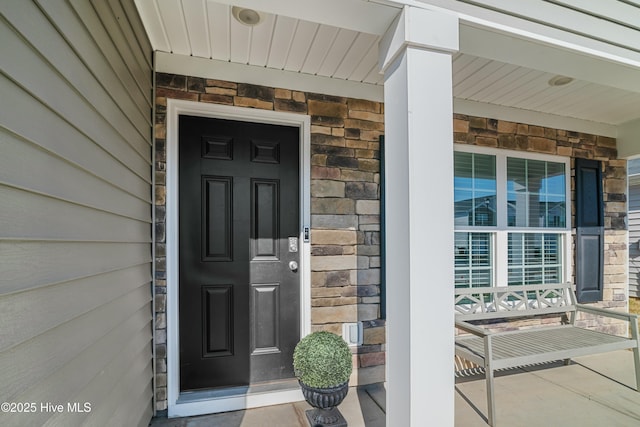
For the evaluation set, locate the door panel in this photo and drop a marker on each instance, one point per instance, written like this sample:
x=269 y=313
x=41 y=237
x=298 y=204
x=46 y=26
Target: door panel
x=266 y=310
x=239 y=204
x=265 y=220
x=218 y=322
x=216 y=216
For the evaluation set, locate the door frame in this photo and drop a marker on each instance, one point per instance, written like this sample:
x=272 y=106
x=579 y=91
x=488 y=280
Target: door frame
x=180 y=405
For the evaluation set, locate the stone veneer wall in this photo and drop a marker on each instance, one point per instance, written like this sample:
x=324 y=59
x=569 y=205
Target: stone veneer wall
x=345 y=209
x=517 y=136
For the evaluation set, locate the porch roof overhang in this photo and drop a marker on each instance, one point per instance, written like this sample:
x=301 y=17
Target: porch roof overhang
x=508 y=54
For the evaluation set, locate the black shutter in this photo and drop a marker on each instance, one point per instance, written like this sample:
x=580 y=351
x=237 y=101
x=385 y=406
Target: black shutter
x=589 y=231
x=383 y=264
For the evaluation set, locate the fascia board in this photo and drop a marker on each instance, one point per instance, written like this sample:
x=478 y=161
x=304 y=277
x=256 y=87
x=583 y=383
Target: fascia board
x=487 y=17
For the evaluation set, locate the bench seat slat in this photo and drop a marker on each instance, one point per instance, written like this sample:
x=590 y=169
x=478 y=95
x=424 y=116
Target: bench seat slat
x=542 y=345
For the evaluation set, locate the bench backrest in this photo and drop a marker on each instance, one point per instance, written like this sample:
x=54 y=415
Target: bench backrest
x=514 y=301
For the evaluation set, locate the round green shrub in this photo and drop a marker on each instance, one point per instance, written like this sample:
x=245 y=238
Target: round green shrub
x=322 y=359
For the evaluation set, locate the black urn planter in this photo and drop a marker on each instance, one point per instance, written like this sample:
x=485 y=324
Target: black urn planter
x=325 y=400
x=321 y=360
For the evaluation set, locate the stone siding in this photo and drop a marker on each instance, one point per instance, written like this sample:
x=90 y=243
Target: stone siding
x=345 y=209
x=537 y=139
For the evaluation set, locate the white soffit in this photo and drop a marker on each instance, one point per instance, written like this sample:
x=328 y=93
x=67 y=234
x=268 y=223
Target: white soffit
x=507 y=48
x=498 y=83
x=314 y=49
x=207 y=29
x=335 y=13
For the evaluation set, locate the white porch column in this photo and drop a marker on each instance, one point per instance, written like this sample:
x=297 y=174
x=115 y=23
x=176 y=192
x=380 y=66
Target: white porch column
x=416 y=59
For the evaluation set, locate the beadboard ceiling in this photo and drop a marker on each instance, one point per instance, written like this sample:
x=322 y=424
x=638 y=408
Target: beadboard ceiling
x=494 y=82
x=207 y=29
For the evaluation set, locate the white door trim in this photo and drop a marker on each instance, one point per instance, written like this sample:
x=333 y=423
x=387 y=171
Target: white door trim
x=248 y=400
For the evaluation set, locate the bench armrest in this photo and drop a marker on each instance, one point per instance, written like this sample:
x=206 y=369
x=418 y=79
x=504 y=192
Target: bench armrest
x=629 y=317
x=472 y=329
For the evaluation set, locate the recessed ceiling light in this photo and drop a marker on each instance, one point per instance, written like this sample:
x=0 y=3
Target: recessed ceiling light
x=246 y=16
x=560 y=81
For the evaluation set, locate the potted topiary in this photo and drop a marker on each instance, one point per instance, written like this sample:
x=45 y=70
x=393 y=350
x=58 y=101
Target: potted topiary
x=322 y=364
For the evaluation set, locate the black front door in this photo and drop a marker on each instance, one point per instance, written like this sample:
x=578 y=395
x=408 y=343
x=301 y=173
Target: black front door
x=238 y=228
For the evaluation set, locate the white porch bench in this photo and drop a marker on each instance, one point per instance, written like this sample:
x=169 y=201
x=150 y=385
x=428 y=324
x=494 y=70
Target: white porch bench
x=512 y=348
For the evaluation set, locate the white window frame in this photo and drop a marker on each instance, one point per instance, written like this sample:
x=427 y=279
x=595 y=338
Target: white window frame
x=501 y=230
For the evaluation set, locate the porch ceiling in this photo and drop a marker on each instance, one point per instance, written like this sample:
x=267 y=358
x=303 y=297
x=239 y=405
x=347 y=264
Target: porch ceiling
x=316 y=39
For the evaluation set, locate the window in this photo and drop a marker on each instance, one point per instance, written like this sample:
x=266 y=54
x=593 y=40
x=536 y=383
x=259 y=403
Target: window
x=475 y=189
x=511 y=217
x=535 y=193
x=474 y=260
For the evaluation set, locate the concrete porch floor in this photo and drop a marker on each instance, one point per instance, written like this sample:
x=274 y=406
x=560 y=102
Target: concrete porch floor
x=363 y=407
x=593 y=391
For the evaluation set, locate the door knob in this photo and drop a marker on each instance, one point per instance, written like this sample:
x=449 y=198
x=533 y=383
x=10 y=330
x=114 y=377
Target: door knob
x=293 y=266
